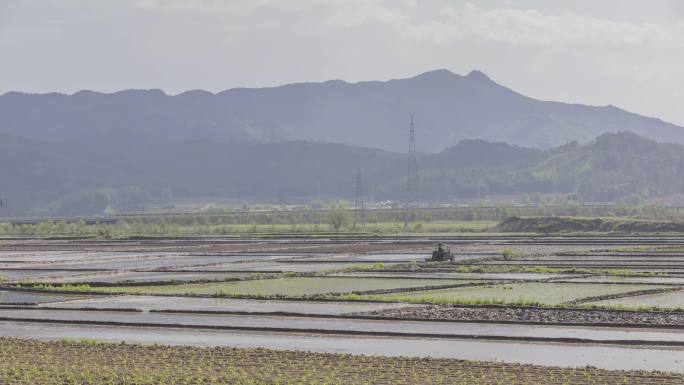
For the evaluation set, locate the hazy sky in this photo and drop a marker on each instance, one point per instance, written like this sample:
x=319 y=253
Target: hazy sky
x=629 y=53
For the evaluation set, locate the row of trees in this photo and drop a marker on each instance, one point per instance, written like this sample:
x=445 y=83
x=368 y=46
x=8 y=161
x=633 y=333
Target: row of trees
x=337 y=219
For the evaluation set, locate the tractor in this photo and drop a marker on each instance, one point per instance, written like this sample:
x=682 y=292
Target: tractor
x=441 y=253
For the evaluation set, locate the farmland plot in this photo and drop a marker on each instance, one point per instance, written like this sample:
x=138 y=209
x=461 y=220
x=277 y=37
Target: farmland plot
x=533 y=293
x=15 y=297
x=662 y=300
x=286 y=286
x=98 y=364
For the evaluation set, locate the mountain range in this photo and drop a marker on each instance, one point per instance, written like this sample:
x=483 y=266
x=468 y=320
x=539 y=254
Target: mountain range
x=91 y=153
x=447 y=107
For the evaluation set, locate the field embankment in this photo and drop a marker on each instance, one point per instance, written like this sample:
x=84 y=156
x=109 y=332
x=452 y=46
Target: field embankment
x=585 y=225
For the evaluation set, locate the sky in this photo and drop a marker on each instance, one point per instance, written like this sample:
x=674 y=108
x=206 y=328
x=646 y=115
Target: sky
x=628 y=53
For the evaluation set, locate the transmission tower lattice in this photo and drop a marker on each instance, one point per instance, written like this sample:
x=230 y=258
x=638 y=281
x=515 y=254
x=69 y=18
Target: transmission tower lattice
x=412 y=176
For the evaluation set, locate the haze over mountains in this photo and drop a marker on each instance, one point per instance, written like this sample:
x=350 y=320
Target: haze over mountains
x=448 y=108
x=91 y=153
x=67 y=179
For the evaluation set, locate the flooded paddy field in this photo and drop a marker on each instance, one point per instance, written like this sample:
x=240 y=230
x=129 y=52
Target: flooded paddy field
x=642 y=264
x=613 y=258
x=278 y=266
x=661 y=300
x=559 y=355
x=300 y=286
x=532 y=293
x=360 y=295
x=45 y=258
x=149 y=262
x=21 y=275
x=349 y=326
x=447 y=275
x=140 y=277
x=16 y=297
x=370 y=257
x=235 y=305
x=656 y=280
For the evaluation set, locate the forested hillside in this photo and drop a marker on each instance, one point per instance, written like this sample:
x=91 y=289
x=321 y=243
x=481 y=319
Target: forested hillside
x=47 y=178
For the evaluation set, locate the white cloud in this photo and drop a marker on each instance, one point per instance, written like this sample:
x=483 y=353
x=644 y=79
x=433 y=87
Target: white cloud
x=510 y=26
x=607 y=52
x=447 y=23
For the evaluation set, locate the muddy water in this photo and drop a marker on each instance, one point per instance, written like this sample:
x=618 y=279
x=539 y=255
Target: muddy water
x=277 y=266
x=645 y=280
x=607 y=357
x=663 y=300
x=61 y=256
x=161 y=261
x=382 y=257
x=386 y=258
x=226 y=304
x=22 y=275
x=487 y=276
x=305 y=324
x=119 y=277
x=14 y=297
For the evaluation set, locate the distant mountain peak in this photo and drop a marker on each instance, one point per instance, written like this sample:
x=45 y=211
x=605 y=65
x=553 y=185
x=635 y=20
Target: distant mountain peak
x=448 y=105
x=436 y=74
x=474 y=76
x=479 y=76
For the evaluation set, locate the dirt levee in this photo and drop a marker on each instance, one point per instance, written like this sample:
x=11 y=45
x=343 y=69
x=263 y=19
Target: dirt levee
x=567 y=224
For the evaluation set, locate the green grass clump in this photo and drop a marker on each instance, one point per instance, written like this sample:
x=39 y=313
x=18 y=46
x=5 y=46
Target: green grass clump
x=82 y=288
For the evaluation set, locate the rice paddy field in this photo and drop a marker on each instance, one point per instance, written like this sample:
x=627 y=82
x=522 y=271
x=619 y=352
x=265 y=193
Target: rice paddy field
x=278 y=310
x=25 y=362
x=523 y=293
x=660 y=300
x=300 y=286
x=14 y=297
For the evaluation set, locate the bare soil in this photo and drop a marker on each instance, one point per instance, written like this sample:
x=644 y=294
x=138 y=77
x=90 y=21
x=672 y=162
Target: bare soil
x=533 y=315
x=24 y=362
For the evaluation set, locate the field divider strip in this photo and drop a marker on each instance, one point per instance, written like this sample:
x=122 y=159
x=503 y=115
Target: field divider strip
x=347 y=317
x=426 y=288
x=53 y=308
x=210 y=271
x=408 y=319
x=55 y=269
x=568 y=340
